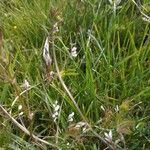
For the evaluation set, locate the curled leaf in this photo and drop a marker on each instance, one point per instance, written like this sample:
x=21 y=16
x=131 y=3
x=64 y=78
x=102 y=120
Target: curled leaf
x=46 y=54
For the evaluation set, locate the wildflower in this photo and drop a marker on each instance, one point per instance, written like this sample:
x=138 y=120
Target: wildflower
x=146 y=19
x=74 y=52
x=55 y=28
x=68 y=144
x=26 y=85
x=19 y=107
x=56 y=111
x=117 y=108
x=21 y=113
x=70 y=117
x=55 y=104
x=81 y=125
x=56 y=108
x=52 y=73
x=46 y=55
x=108 y=136
x=115 y=4
x=102 y=107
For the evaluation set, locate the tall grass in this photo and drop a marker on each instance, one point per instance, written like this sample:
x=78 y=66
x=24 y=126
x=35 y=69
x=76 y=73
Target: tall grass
x=106 y=85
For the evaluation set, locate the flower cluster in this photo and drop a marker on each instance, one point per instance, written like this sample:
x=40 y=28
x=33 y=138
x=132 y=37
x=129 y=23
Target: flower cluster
x=115 y=4
x=19 y=109
x=108 y=136
x=56 y=111
x=70 y=117
x=25 y=85
x=117 y=108
x=74 y=52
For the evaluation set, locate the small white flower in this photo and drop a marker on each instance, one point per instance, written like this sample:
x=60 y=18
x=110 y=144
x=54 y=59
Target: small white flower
x=102 y=107
x=55 y=115
x=55 y=28
x=19 y=107
x=68 y=144
x=56 y=111
x=74 y=52
x=117 y=108
x=80 y=124
x=84 y=129
x=55 y=119
x=52 y=73
x=70 y=117
x=55 y=104
x=25 y=85
x=115 y=4
x=46 y=55
x=56 y=108
x=70 y=120
x=146 y=19
x=21 y=113
x=108 y=136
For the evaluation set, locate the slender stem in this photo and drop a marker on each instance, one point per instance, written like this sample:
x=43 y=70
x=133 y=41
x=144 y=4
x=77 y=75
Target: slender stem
x=25 y=130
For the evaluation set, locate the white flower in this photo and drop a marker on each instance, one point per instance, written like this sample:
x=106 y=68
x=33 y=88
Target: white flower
x=80 y=124
x=55 y=28
x=74 y=52
x=70 y=117
x=25 y=85
x=46 y=55
x=19 y=107
x=102 y=107
x=117 y=108
x=115 y=4
x=146 y=19
x=55 y=115
x=55 y=104
x=108 y=136
x=21 y=113
x=68 y=144
x=52 y=73
x=56 y=108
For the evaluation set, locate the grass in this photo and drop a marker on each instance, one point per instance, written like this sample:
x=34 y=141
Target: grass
x=106 y=85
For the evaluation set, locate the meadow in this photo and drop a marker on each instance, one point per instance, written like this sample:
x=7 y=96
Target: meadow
x=74 y=74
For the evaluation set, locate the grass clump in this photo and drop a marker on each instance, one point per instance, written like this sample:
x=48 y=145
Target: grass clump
x=95 y=92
